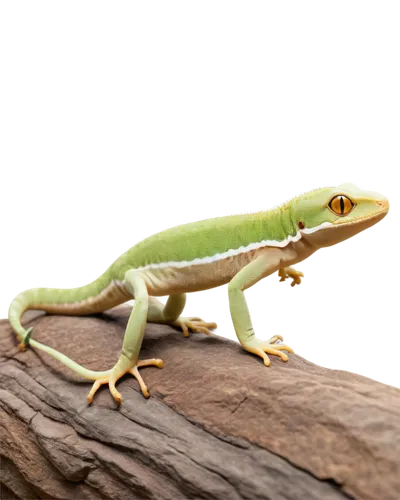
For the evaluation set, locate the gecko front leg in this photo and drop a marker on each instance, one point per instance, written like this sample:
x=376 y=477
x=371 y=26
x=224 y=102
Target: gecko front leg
x=128 y=361
x=263 y=265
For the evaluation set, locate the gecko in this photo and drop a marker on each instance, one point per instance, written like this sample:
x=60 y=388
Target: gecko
x=238 y=250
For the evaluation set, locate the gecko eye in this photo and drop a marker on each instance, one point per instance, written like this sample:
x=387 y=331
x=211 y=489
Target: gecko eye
x=341 y=205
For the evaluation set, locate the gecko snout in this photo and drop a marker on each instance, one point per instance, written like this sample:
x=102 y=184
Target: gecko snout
x=383 y=204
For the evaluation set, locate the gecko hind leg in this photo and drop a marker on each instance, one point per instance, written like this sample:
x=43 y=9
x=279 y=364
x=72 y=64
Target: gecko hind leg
x=128 y=361
x=170 y=315
x=195 y=325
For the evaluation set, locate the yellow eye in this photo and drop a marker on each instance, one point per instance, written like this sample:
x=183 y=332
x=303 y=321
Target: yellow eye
x=341 y=205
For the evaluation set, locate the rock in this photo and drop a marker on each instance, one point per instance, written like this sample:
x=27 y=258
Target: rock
x=219 y=424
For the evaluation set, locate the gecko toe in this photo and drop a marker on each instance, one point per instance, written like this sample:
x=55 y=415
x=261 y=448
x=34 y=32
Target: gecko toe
x=262 y=348
x=117 y=373
x=196 y=325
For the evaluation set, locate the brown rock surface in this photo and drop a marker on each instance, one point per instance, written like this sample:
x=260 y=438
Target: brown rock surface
x=219 y=425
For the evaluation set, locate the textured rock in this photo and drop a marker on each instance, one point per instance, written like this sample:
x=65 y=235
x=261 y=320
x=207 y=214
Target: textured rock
x=219 y=425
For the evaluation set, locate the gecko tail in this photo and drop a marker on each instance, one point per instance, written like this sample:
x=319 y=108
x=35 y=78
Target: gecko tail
x=70 y=301
x=28 y=300
x=65 y=360
x=18 y=306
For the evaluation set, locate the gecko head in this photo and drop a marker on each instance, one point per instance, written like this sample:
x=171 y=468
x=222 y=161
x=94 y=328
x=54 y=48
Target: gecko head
x=329 y=215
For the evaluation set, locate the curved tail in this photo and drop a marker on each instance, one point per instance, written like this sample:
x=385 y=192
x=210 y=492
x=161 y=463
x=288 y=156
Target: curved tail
x=95 y=297
x=65 y=360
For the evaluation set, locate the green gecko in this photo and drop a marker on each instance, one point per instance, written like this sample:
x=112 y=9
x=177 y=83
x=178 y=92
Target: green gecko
x=238 y=249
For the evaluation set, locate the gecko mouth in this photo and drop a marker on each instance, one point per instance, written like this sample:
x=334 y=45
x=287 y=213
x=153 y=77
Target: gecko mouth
x=380 y=214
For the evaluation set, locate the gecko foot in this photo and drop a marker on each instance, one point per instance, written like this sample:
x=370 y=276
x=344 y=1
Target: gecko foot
x=261 y=347
x=117 y=373
x=294 y=275
x=194 y=325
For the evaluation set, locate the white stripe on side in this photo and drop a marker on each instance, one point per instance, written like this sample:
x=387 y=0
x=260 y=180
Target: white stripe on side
x=237 y=251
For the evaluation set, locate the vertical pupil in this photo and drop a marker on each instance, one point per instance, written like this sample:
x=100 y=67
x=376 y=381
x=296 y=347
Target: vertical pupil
x=341 y=205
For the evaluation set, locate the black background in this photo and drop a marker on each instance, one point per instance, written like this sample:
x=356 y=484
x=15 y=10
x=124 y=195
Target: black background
x=61 y=225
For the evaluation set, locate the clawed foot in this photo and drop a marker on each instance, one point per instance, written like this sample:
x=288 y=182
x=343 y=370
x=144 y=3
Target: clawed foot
x=194 y=325
x=290 y=272
x=117 y=373
x=260 y=347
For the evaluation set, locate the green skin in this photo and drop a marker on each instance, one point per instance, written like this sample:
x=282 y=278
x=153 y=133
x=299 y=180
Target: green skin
x=239 y=250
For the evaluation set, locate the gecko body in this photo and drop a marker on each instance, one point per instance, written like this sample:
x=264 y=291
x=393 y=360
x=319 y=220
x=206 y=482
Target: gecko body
x=239 y=250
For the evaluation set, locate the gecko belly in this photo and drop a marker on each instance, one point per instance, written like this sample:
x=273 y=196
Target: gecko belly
x=196 y=277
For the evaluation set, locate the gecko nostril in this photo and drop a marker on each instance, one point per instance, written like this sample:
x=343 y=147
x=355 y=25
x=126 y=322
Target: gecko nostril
x=383 y=204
